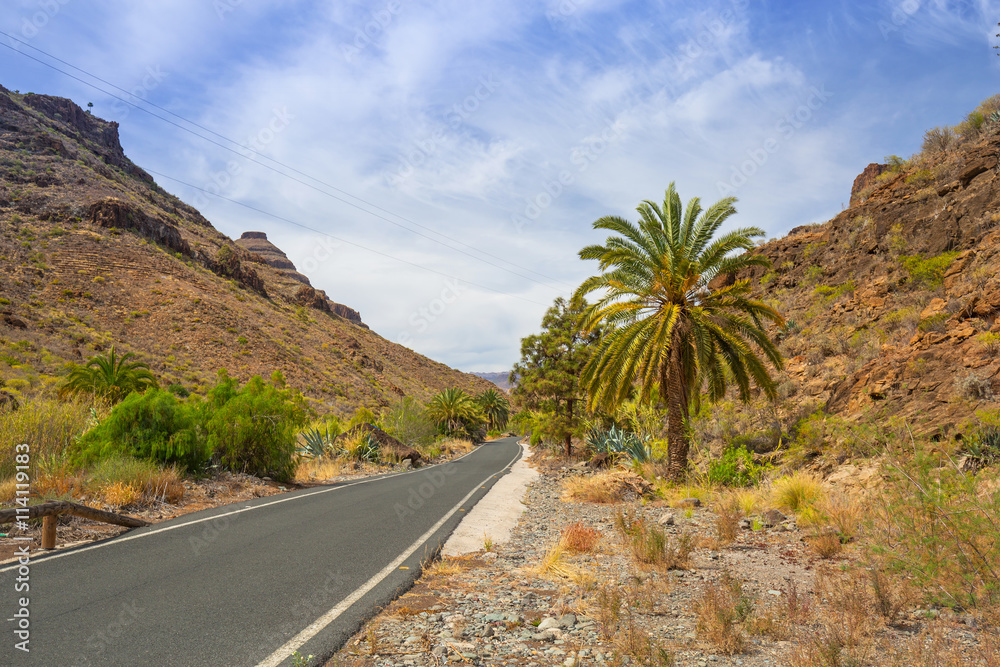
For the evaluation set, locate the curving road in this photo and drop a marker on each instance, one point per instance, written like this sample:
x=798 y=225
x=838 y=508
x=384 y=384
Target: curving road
x=248 y=583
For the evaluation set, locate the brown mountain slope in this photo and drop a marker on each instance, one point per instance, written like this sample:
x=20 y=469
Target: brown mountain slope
x=94 y=253
x=893 y=303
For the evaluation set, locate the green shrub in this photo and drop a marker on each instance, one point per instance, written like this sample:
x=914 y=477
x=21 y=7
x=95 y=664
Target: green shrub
x=736 y=467
x=989 y=341
x=253 y=430
x=928 y=271
x=938 y=526
x=933 y=323
x=363 y=415
x=406 y=421
x=153 y=425
x=831 y=293
x=179 y=390
x=895 y=163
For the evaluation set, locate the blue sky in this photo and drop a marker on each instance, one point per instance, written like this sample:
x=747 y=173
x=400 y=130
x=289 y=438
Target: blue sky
x=457 y=129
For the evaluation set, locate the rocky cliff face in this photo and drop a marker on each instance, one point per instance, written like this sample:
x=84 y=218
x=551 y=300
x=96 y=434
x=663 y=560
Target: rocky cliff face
x=866 y=179
x=95 y=254
x=893 y=304
x=305 y=295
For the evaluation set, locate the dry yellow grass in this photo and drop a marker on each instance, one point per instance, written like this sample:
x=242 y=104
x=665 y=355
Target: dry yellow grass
x=121 y=494
x=555 y=563
x=675 y=495
x=605 y=487
x=825 y=545
x=796 y=491
x=456 y=446
x=729 y=512
x=443 y=567
x=323 y=468
x=8 y=490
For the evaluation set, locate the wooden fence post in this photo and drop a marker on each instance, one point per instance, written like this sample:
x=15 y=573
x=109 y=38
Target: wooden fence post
x=49 y=531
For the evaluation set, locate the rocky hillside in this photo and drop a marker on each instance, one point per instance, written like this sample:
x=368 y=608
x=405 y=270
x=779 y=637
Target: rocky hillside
x=95 y=253
x=892 y=305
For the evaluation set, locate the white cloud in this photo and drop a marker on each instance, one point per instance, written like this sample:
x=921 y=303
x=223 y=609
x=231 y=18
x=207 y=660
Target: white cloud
x=589 y=106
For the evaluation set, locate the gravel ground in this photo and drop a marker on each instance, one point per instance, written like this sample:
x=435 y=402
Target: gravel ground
x=495 y=608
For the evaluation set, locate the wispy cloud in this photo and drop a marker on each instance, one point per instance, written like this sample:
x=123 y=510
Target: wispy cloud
x=510 y=126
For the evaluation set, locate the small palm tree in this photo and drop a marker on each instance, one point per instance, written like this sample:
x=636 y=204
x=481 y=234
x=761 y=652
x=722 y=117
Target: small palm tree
x=454 y=411
x=666 y=327
x=495 y=408
x=109 y=376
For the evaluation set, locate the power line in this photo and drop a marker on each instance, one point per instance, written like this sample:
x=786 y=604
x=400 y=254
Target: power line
x=245 y=149
x=342 y=240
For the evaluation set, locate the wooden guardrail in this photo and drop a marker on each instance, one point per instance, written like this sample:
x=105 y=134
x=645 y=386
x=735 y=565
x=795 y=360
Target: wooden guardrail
x=51 y=510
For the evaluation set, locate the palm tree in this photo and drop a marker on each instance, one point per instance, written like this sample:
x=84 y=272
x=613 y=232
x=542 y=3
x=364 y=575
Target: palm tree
x=667 y=324
x=454 y=411
x=112 y=377
x=495 y=408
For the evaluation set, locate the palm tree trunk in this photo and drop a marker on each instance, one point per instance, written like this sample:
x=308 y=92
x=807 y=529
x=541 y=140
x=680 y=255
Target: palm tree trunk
x=677 y=437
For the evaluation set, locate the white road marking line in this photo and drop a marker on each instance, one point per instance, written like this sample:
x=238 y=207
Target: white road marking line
x=120 y=540
x=329 y=617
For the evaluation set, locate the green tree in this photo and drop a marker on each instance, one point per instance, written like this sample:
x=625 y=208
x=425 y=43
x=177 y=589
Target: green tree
x=253 y=429
x=110 y=376
x=668 y=322
x=154 y=425
x=455 y=412
x=546 y=379
x=495 y=408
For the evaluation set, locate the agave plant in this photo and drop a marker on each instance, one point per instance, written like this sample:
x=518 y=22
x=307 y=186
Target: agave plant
x=318 y=441
x=619 y=443
x=364 y=448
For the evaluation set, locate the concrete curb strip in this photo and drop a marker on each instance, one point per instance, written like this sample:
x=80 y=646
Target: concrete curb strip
x=497 y=513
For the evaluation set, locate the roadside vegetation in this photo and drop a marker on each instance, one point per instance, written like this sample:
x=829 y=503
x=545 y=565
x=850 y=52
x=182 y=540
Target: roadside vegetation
x=672 y=385
x=110 y=433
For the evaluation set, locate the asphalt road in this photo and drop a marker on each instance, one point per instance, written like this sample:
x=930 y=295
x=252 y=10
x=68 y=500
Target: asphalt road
x=248 y=583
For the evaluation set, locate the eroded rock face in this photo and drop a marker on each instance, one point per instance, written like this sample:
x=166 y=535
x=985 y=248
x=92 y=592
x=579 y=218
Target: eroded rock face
x=257 y=242
x=306 y=295
x=101 y=134
x=866 y=178
x=115 y=213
